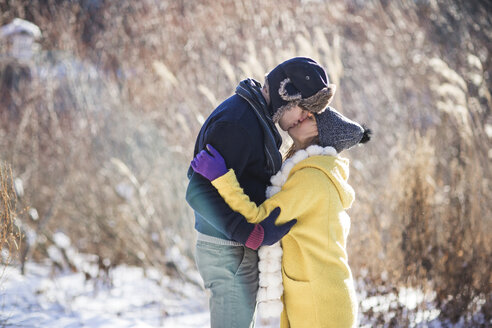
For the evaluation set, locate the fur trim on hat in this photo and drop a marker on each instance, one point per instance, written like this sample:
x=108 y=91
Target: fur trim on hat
x=282 y=91
x=318 y=102
x=278 y=114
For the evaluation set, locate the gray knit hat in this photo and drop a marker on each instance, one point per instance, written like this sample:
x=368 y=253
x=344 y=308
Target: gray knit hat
x=337 y=131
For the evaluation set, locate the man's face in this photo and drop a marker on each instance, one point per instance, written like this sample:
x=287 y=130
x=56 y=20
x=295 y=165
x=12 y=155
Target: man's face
x=303 y=132
x=292 y=117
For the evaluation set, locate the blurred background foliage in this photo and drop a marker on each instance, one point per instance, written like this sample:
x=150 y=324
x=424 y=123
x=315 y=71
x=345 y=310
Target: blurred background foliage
x=98 y=122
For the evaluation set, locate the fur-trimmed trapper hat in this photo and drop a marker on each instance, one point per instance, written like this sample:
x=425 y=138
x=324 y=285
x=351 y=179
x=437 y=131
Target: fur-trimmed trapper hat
x=299 y=81
x=338 y=131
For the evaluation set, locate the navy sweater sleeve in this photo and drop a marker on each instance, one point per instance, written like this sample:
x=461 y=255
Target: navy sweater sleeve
x=232 y=141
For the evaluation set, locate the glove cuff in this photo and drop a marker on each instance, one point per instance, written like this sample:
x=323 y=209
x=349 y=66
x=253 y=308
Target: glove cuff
x=220 y=172
x=256 y=237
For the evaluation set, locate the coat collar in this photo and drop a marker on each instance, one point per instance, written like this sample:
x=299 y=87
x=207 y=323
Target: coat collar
x=279 y=179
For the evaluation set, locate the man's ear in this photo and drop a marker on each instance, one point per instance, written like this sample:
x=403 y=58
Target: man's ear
x=265 y=90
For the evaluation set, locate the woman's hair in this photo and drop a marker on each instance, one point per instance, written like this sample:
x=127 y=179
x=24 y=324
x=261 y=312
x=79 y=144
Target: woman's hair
x=292 y=150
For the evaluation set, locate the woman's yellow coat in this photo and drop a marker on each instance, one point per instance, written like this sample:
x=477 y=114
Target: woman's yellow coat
x=318 y=284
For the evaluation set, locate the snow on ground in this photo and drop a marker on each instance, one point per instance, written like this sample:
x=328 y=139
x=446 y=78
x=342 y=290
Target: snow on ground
x=137 y=298
x=142 y=298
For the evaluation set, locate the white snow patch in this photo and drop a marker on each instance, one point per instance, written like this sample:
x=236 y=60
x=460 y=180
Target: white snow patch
x=136 y=299
x=140 y=297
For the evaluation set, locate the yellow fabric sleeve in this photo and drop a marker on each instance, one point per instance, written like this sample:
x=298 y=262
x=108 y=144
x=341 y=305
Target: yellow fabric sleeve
x=297 y=196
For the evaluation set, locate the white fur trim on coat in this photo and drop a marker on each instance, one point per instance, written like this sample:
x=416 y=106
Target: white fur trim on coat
x=270 y=257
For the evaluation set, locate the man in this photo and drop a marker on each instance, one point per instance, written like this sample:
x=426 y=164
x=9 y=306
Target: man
x=243 y=130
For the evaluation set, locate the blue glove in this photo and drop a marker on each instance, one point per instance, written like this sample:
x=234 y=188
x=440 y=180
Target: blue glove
x=267 y=233
x=272 y=232
x=210 y=166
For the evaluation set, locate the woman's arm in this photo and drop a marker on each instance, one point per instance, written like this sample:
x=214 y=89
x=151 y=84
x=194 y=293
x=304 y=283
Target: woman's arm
x=296 y=196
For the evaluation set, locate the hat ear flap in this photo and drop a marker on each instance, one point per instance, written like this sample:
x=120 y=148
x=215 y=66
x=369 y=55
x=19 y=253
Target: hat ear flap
x=288 y=91
x=318 y=102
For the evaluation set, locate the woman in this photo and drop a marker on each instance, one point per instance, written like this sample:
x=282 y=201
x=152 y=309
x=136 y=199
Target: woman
x=311 y=187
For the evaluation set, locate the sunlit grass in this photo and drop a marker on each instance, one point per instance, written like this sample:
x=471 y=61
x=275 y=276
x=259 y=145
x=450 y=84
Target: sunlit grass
x=103 y=130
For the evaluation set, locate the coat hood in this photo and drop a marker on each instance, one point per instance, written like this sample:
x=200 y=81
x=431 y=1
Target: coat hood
x=334 y=166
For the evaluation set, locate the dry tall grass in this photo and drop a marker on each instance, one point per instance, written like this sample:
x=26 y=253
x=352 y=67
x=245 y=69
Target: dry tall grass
x=10 y=236
x=101 y=124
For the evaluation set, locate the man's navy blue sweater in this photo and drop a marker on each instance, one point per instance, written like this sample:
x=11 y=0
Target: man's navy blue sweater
x=234 y=130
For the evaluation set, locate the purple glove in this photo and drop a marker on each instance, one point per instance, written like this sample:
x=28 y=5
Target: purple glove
x=210 y=166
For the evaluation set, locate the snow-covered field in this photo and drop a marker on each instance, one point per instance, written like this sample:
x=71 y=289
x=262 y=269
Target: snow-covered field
x=135 y=298
x=139 y=298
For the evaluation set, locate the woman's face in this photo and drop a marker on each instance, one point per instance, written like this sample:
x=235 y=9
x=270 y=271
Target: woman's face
x=304 y=132
x=292 y=117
